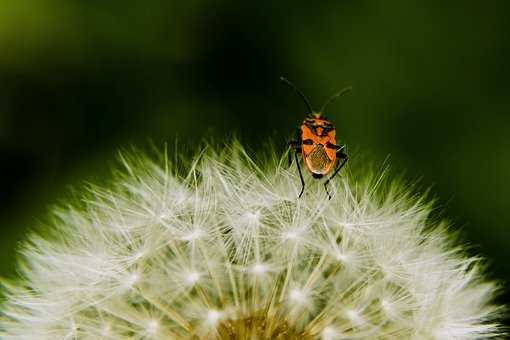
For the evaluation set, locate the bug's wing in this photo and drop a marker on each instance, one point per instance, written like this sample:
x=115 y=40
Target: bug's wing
x=318 y=161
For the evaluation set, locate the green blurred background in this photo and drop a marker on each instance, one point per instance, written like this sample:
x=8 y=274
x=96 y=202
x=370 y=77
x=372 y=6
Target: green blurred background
x=81 y=79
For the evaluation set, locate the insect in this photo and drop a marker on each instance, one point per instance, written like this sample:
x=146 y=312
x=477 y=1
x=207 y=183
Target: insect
x=316 y=142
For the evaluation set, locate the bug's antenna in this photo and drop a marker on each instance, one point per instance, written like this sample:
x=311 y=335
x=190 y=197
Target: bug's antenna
x=336 y=95
x=298 y=92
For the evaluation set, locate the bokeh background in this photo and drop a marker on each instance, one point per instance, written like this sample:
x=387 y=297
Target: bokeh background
x=431 y=79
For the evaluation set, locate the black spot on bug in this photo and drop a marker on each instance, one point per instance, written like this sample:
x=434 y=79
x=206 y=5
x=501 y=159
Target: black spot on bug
x=330 y=145
x=311 y=125
x=325 y=131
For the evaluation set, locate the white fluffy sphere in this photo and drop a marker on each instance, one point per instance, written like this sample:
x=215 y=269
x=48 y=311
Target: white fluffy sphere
x=228 y=251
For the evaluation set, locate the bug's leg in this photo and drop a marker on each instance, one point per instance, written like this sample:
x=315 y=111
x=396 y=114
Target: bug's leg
x=340 y=155
x=294 y=145
x=300 y=174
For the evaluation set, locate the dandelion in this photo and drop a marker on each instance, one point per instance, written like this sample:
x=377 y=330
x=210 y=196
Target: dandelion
x=228 y=251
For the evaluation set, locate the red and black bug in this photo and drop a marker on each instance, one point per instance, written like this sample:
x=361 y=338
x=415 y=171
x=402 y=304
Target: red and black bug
x=316 y=142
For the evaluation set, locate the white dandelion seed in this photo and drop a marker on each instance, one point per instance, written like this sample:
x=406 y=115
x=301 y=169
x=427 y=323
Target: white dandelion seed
x=297 y=296
x=259 y=269
x=192 y=278
x=228 y=251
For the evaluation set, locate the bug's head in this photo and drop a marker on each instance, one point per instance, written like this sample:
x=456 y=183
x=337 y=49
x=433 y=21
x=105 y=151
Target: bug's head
x=311 y=112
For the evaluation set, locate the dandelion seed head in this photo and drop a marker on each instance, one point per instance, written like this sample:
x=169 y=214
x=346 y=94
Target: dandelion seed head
x=342 y=257
x=329 y=333
x=386 y=305
x=252 y=217
x=291 y=235
x=131 y=280
x=227 y=251
x=105 y=330
x=193 y=235
x=180 y=197
x=192 y=278
x=297 y=295
x=213 y=316
x=354 y=316
x=152 y=327
x=259 y=268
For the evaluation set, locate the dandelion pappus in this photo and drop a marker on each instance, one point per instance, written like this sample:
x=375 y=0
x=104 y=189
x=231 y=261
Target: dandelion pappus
x=316 y=142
